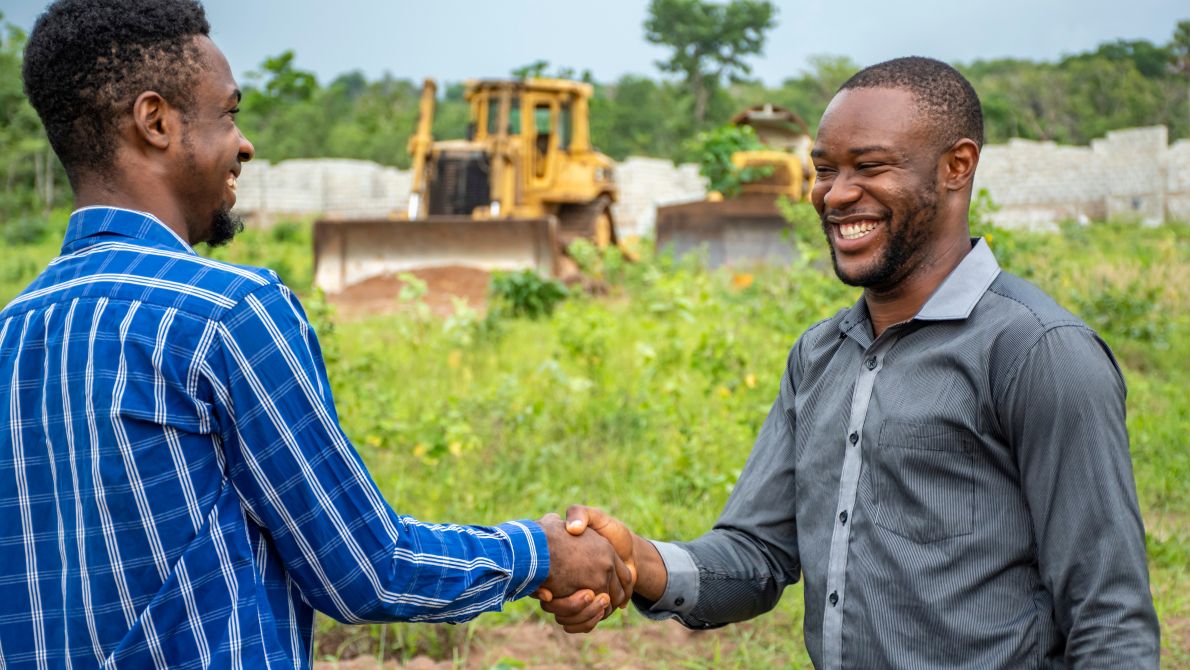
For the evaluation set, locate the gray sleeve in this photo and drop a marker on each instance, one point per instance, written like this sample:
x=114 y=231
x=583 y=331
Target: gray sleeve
x=739 y=569
x=1064 y=416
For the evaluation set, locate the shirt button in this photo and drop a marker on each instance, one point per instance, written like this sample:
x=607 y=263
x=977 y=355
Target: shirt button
x=834 y=598
x=853 y=438
x=679 y=602
x=843 y=516
x=871 y=363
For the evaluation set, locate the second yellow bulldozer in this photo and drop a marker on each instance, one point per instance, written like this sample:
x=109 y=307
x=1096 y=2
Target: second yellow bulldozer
x=748 y=228
x=521 y=186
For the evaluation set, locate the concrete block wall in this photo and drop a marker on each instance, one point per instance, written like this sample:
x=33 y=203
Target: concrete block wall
x=1177 y=176
x=646 y=183
x=333 y=187
x=1130 y=173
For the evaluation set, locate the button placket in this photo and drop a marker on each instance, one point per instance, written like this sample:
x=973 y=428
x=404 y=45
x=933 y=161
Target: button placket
x=869 y=368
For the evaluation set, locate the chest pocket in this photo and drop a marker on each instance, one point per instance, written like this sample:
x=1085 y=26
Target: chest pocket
x=924 y=481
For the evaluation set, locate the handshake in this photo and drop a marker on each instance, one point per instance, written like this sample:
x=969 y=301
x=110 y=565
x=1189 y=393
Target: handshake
x=596 y=563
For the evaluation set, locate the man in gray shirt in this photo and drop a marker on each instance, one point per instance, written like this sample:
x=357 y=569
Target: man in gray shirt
x=946 y=462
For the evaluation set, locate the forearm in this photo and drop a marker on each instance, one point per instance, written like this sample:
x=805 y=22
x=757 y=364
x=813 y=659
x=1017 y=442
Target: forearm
x=720 y=578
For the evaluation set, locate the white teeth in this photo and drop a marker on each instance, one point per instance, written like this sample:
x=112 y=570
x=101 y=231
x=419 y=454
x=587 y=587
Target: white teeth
x=854 y=231
x=231 y=182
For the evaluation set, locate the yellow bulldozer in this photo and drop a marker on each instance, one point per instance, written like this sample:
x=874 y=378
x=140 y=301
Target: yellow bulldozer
x=512 y=195
x=747 y=228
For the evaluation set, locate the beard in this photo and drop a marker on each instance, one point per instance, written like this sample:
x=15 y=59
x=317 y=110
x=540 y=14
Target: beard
x=908 y=234
x=224 y=227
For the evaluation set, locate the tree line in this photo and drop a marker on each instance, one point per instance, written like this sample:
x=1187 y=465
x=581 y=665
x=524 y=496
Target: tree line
x=288 y=113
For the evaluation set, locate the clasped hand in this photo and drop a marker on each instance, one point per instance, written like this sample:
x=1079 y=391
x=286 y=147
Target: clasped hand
x=592 y=570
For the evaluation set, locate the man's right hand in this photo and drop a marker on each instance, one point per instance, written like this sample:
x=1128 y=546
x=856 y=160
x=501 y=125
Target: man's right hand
x=582 y=565
x=581 y=611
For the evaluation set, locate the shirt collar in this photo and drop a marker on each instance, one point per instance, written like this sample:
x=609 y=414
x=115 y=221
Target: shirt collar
x=965 y=285
x=955 y=298
x=91 y=225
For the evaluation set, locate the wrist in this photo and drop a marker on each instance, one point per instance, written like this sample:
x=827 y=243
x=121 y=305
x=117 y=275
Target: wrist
x=651 y=576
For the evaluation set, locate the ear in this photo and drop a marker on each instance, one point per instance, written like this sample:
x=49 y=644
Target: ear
x=155 y=121
x=958 y=169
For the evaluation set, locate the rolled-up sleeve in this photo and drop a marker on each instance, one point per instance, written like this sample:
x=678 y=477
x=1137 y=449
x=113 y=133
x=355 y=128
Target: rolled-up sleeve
x=739 y=569
x=301 y=480
x=1064 y=414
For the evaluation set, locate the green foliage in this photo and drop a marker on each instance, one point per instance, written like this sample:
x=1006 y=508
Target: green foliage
x=715 y=148
x=526 y=294
x=710 y=41
x=646 y=401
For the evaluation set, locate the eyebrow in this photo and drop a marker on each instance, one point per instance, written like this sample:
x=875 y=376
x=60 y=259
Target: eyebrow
x=858 y=151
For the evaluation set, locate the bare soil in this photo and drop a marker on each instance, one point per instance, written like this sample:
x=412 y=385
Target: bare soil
x=541 y=646
x=378 y=295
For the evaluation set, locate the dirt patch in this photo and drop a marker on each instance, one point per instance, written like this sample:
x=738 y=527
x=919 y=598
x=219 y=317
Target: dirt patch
x=378 y=295
x=541 y=646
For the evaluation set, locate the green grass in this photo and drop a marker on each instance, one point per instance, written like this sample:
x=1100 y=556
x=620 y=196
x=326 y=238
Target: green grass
x=646 y=401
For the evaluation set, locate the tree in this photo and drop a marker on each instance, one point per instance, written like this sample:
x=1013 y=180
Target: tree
x=1179 y=56
x=710 y=41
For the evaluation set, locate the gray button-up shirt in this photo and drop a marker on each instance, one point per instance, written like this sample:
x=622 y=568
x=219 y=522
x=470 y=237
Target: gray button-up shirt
x=957 y=493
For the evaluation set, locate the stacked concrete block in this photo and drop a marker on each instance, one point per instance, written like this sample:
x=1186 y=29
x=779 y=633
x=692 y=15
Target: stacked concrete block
x=1130 y=174
x=1177 y=192
x=646 y=183
x=325 y=187
x=1127 y=174
x=1136 y=189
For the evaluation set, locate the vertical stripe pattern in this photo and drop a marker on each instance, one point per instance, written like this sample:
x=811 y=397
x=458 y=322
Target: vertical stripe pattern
x=175 y=491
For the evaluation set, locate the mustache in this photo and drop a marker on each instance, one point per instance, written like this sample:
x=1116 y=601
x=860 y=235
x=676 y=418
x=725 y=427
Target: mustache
x=836 y=215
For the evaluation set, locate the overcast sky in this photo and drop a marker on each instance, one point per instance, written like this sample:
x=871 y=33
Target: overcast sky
x=452 y=40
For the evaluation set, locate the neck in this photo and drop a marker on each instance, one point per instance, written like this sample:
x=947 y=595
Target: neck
x=111 y=192
x=904 y=299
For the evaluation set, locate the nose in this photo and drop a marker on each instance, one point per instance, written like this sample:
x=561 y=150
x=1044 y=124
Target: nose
x=247 y=151
x=840 y=193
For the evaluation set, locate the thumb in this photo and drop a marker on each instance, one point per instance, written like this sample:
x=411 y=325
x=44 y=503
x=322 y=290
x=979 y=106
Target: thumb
x=578 y=517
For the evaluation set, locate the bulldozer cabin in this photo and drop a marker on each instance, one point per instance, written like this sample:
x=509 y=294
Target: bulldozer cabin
x=521 y=186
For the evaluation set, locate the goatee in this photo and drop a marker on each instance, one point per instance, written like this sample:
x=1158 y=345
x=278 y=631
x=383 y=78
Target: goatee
x=224 y=227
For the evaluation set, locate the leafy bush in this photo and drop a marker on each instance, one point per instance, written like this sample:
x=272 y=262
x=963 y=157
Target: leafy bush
x=525 y=294
x=715 y=148
x=26 y=230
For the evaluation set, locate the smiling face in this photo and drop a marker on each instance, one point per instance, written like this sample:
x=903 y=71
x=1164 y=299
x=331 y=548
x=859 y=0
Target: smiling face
x=212 y=151
x=877 y=186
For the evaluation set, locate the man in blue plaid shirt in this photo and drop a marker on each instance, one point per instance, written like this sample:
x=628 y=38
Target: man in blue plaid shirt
x=175 y=486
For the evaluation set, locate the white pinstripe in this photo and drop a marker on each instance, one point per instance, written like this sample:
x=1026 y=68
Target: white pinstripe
x=135 y=280
x=84 y=577
x=18 y=452
x=125 y=446
x=161 y=417
x=49 y=445
x=105 y=516
x=233 y=586
x=192 y=613
x=330 y=427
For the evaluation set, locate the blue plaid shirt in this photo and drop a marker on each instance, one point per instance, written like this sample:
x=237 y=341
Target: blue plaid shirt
x=175 y=489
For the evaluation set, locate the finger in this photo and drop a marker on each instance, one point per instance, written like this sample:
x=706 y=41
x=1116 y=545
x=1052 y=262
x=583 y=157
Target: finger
x=576 y=518
x=613 y=530
x=543 y=594
x=627 y=580
x=585 y=627
x=615 y=589
x=570 y=605
x=595 y=610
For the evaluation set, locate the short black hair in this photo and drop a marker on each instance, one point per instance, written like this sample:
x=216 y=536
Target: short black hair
x=941 y=91
x=86 y=61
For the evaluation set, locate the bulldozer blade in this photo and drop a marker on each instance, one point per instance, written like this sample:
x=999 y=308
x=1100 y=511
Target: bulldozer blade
x=347 y=252
x=733 y=233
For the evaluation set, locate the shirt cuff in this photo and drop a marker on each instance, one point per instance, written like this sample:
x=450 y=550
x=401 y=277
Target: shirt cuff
x=530 y=557
x=681 y=587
